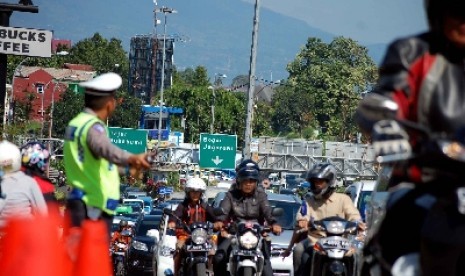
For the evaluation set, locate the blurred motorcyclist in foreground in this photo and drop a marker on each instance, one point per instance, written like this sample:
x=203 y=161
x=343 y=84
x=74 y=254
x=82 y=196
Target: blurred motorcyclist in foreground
x=424 y=75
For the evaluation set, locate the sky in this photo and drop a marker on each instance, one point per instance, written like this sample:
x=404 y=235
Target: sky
x=367 y=21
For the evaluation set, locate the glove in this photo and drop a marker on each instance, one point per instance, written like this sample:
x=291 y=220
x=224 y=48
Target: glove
x=390 y=139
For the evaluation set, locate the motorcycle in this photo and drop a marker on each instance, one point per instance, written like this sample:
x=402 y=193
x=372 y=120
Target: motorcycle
x=435 y=208
x=247 y=240
x=335 y=254
x=119 y=253
x=198 y=247
x=246 y=258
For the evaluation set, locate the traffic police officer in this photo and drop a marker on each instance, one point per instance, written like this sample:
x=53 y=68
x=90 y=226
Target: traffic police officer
x=91 y=160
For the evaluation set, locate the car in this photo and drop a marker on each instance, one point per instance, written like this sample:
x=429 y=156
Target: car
x=376 y=206
x=148 y=203
x=143 y=243
x=360 y=193
x=291 y=205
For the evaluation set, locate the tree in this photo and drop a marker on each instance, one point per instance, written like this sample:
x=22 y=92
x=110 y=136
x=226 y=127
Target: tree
x=324 y=86
x=104 y=56
x=67 y=107
x=127 y=113
x=193 y=95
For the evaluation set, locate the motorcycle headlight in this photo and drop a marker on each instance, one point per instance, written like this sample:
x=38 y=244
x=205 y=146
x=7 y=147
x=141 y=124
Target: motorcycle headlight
x=199 y=236
x=248 y=240
x=335 y=227
x=121 y=245
x=139 y=246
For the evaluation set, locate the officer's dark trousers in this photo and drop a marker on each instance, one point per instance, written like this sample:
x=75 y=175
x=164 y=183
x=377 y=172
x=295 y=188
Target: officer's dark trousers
x=76 y=211
x=223 y=251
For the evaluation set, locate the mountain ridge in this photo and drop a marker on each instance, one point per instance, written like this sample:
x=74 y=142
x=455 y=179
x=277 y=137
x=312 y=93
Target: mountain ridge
x=219 y=32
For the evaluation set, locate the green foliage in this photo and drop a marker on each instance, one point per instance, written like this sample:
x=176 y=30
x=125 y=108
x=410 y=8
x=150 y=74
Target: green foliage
x=104 y=56
x=66 y=109
x=324 y=87
x=192 y=94
x=127 y=113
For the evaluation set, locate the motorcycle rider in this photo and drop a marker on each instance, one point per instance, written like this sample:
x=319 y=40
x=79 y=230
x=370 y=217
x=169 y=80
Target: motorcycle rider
x=246 y=201
x=117 y=235
x=34 y=161
x=192 y=209
x=322 y=203
x=424 y=75
x=20 y=196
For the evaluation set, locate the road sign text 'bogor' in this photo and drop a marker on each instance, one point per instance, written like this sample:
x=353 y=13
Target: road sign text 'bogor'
x=218 y=151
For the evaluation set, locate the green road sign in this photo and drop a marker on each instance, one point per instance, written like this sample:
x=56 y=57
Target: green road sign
x=217 y=151
x=129 y=139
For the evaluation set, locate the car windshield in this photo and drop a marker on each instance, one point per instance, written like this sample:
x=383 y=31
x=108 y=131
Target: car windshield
x=146 y=225
x=287 y=220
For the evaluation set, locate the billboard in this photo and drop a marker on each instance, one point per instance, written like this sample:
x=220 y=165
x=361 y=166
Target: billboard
x=25 y=42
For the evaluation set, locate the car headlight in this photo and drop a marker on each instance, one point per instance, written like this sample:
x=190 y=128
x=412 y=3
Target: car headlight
x=199 y=236
x=248 y=240
x=139 y=246
x=335 y=227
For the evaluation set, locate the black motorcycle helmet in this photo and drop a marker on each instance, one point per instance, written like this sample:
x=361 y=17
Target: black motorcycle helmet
x=437 y=10
x=322 y=171
x=247 y=172
x=123 y=224
x=248 y=163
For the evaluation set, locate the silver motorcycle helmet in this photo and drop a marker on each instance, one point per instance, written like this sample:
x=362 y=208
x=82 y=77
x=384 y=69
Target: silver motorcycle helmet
x=324 y=171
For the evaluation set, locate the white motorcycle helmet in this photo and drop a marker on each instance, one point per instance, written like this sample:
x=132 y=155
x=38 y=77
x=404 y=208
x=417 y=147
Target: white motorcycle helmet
x=10 y=157
x=195 y=184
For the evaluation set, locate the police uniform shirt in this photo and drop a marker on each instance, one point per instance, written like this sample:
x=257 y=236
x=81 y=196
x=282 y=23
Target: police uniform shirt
x=100 y=144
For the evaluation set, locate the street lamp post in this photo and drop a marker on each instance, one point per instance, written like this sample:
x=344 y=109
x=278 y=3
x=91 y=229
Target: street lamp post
x=164 y=10
x=212 y=88
x=42 y=111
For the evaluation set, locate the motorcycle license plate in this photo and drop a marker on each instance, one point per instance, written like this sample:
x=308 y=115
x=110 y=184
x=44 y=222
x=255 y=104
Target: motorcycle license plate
x=334 y=243
x=192 y=247
x=119 y=253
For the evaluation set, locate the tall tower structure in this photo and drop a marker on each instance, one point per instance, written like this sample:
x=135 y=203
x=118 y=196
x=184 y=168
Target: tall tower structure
x=145 y=66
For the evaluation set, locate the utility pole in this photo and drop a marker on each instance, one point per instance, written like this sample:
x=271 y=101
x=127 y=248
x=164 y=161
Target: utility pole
x=250 y=95
x=164 y=10
x=217 y=79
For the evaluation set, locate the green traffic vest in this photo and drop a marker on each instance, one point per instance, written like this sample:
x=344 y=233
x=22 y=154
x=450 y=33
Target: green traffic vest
x=96 y=177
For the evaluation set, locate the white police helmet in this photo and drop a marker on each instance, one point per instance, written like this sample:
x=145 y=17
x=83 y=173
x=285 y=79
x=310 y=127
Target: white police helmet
x=195 y=184
x=102 y=85
x=10 y=157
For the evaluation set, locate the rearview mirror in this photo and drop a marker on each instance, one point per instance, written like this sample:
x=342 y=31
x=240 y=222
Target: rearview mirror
x=154 y=234
x=167 y=211
x=218 y=211
x=277 y=212
x=377 y=107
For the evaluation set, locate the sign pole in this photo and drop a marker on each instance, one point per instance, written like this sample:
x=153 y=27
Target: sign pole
x=5 y=12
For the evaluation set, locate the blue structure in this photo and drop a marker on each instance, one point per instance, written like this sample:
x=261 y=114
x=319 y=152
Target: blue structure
x=150 y=118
